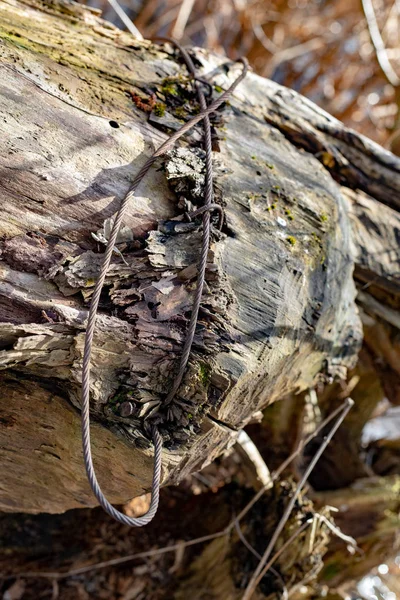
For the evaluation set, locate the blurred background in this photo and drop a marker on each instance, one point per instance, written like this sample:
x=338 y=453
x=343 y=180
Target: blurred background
x=342 y=54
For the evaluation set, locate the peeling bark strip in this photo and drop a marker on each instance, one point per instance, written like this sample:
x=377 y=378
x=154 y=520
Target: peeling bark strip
x=278 y=310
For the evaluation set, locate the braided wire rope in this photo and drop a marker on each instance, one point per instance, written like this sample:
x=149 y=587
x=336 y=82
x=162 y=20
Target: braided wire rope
x=90 y=329
x=205 y=211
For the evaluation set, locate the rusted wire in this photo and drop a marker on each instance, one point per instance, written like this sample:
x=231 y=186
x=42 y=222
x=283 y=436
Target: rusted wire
x=85 y=416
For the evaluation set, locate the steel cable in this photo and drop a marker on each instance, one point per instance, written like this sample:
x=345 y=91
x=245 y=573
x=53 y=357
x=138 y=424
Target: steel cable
x=205 y=211
x=85 y=415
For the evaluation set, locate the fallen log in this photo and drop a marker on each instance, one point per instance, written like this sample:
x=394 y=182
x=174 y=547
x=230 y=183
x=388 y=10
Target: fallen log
x=84 y=105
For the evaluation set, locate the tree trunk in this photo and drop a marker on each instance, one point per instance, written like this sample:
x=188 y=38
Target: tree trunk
x=274 y=311
x=307 y=203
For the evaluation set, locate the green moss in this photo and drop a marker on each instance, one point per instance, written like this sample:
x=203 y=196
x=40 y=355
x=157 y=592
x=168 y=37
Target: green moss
x=169 y=88
x=180 y=112
x=291 y=240
x=254 y=157
x=253 y=195
x=318 y=250
x=270 y=166
x=218 y=89
x=289 y=215
x=204 y=373
x=159 y=109
x=317 y=239
x=16 y=38
x=323 y=217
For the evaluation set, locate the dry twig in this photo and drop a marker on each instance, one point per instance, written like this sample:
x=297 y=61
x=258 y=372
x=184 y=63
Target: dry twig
x=182 y=19
x=286 y=463
x=126 y=20
x=261 y=569
x=378 y=43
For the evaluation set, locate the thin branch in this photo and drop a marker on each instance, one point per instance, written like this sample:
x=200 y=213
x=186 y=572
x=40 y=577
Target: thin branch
x=280 y=551
x=164 y=20
x=348 y=387
x=182 y=19
x=393 y=14
x=114 y=561
x=276 y=474
x=310 y=575
x=336 y=531
x=285 y=593
x=125 y=19
x=245 y=542
x=379 y=44
x=250 y=450
x=313 y=533
x=260 y=569
x=293 y=52
x=263 y=38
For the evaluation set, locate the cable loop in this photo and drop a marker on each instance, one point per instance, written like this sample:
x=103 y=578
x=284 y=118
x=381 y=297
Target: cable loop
x=90 y=329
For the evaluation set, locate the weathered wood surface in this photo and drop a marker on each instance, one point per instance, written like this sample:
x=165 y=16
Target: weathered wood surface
x=279 y=310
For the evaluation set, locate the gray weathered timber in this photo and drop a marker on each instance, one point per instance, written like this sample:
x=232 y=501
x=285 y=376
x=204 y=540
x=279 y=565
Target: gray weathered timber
x=279 y=306
x=376 y=242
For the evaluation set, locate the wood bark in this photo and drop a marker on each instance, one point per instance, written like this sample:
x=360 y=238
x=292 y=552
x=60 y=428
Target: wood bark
x=279 y=312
